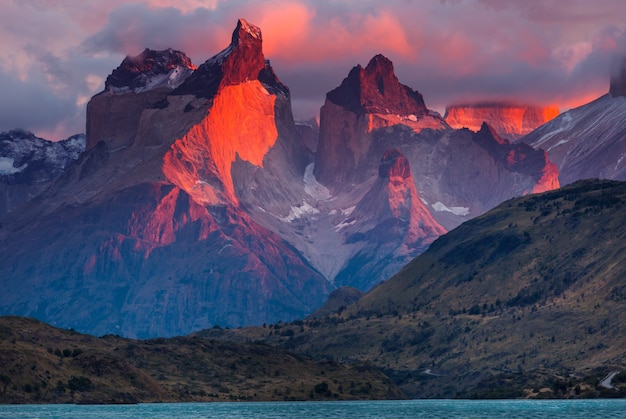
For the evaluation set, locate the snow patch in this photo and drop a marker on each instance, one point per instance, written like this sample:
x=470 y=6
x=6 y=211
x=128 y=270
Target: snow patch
x=347 y=211
x=619 y=161
x=462 y=211
x=558 y=144
x=344 y=224
x=7 y=168
x=412 y=118
x=173 y=79
x=312 y=187
x=298 y=212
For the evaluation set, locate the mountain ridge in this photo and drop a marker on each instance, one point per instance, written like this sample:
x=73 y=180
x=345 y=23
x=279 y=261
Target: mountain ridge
x=525 y=301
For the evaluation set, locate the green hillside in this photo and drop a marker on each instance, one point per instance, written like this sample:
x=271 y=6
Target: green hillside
x=528 y=300
x=43 y=364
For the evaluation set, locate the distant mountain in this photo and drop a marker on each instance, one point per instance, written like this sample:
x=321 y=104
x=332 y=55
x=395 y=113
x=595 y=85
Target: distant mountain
x=67 y=367
x=509 y=120
x=526 y=300
x=29 y=164
x=589 y=141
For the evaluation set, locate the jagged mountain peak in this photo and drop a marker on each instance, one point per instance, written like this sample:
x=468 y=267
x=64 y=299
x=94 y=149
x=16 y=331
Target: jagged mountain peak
x=394 y=165
x=487 y=131
x=393 y=219
x=244 y=29
x=376 y=89
x=149 y=69
x=380 y=65
x=239 y=62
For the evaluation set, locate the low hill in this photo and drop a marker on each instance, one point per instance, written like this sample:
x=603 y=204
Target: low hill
x=43 y=364
x=527 y=300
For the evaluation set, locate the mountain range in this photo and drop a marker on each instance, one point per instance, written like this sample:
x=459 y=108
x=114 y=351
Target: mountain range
x=198 y=201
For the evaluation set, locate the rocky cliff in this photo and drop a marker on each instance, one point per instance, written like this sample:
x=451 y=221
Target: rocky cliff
x=509 y=120
x=368 y=99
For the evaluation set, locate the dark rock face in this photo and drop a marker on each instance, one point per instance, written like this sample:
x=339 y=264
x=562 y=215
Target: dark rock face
x=520 y=157
x=29 y=164
x=149 y=67
x=376 y=89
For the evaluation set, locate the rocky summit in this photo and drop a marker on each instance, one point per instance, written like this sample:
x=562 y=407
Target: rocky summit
x=198 y=201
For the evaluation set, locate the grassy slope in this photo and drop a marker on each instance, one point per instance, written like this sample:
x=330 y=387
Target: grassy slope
x=34 y=369
x=528 y=300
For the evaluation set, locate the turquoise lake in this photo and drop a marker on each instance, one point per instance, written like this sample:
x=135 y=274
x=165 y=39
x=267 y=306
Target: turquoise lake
x=510 y=409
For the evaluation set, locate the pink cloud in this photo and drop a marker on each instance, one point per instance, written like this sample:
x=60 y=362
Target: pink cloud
x=536 y=50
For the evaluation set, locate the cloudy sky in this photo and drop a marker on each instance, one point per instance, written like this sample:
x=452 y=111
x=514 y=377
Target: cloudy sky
x=56 y=54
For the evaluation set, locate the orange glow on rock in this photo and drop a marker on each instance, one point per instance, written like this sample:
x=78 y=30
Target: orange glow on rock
x=241 y=123
x=549 y=179
x=508 y=120
x=160 y=219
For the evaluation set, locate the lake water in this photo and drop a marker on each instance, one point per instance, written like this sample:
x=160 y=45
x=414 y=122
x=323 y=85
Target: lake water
x=509 y=409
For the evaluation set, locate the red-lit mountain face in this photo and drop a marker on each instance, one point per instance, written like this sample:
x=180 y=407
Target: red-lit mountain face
x=198 y=200
x=511 y=121
x=146 y=236
x=589 y=141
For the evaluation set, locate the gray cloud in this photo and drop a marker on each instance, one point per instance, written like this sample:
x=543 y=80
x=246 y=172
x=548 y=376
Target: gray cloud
x=30 y=104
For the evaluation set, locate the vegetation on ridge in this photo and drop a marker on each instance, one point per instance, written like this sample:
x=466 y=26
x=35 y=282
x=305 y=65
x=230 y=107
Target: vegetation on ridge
x=43 y=364
x=524 y=301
